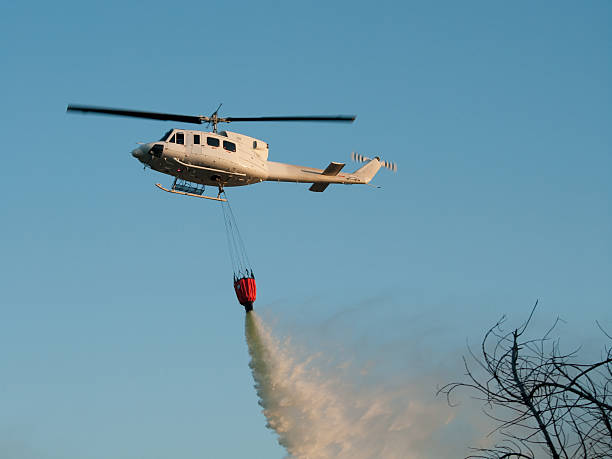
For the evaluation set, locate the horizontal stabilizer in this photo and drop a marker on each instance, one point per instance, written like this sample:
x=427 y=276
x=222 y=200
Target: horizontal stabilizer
x=333 y=168
x=319 y=187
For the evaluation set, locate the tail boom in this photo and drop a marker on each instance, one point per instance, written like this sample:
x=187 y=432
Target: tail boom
x=280 y=172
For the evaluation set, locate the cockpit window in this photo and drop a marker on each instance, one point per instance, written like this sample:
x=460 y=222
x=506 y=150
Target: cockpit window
x=229 y=146
x=180 y=138
x=166 y=135
x=212 y=141
x=173 y=139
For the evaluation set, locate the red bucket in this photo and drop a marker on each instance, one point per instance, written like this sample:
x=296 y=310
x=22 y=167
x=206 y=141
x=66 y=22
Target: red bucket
x=246 y=291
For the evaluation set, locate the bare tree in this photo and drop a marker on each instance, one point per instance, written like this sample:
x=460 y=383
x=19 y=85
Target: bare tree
x=540 y=399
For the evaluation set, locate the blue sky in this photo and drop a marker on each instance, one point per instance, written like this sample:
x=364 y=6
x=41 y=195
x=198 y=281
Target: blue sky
x=120 y=333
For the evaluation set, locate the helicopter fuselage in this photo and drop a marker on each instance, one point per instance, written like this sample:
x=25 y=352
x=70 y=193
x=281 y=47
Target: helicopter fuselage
x=206 y=158
x=227 y=159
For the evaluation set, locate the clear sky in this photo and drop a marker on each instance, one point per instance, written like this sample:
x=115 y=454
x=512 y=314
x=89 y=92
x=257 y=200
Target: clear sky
x=120 y=334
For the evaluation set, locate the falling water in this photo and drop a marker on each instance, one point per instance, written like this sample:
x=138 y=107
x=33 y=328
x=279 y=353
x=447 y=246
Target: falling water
x=317 y=413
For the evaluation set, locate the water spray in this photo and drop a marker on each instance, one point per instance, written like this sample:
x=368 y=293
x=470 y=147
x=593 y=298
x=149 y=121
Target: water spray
x=317 y=413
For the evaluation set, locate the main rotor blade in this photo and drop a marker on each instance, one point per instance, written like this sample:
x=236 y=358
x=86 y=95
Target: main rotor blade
x=341 y=118
x=201 y=119
x=137 y=114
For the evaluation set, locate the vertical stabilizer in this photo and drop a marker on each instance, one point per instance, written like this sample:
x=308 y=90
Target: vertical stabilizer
x=368 y=171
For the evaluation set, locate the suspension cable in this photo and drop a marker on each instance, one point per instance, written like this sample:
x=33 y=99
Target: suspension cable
x=239 y=258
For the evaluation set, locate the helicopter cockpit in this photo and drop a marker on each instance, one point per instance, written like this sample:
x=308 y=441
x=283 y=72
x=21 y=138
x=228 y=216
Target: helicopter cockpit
x=174 y=136
x=166 y=135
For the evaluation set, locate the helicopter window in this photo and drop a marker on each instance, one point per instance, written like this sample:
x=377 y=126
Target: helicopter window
x=196 y=139
x=172 y=140
x=180 y=138
x=229 y=146
x=166 y=135
x=212 y=141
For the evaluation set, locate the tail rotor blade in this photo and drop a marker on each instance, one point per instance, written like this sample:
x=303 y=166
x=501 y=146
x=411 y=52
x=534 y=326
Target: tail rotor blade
x=358 y=158
x=390 y=165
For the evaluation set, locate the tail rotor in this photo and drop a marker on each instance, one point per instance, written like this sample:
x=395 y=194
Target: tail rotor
x=359 y=158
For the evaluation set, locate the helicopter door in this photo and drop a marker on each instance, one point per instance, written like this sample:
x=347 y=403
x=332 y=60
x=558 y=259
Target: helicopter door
x=195 y=144
x=178 y=138
x=176 y=143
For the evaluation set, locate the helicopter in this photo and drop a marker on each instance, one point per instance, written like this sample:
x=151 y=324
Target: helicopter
x=197 y=159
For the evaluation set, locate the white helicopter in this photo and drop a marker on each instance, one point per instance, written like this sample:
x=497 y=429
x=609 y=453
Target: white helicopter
x=225 y=159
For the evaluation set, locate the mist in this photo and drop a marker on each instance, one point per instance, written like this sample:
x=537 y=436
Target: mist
x=323 y=402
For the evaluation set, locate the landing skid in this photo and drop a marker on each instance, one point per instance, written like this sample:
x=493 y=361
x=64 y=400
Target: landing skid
x=186 y=193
